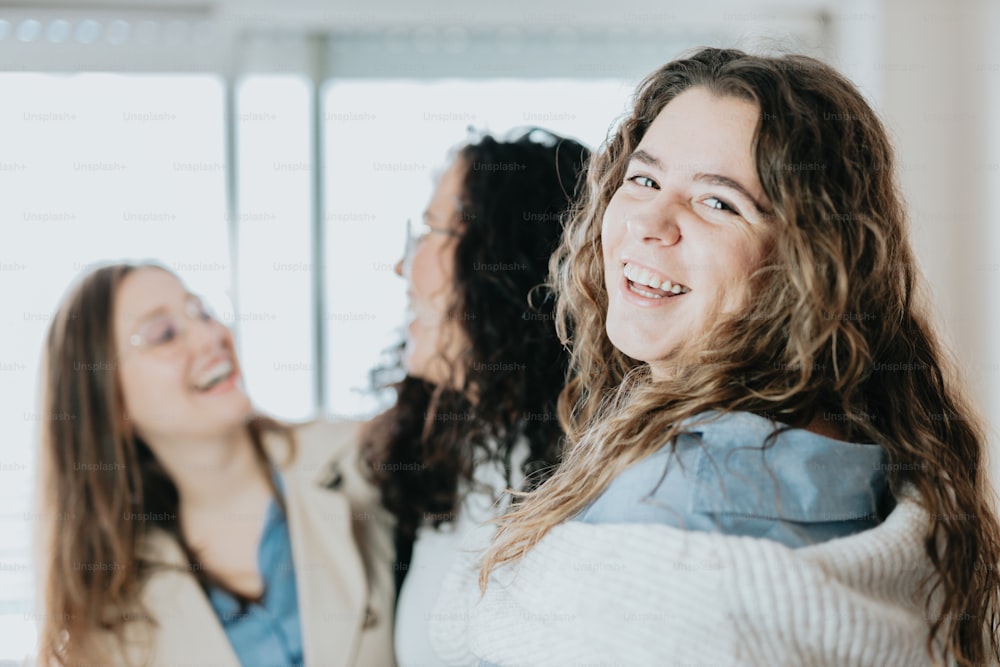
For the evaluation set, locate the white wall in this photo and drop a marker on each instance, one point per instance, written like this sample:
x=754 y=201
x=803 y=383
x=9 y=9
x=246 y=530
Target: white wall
x=940 y=70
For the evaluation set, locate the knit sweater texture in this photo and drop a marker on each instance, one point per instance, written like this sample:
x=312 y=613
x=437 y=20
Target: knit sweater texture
x=623 y=595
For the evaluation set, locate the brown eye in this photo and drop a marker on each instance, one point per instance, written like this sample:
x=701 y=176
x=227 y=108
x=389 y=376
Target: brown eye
x=643 y=181
x=719 y=205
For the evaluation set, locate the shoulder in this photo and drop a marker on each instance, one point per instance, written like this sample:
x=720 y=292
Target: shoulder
x=311 y=447
x=326 y=429
x=328 y=453
x=322 y=439
x=760 y=468
x=740 y=473
x=723 y=595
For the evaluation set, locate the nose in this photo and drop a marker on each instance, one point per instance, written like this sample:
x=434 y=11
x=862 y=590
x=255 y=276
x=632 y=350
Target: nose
x=207 y=334
x=398 y=268
x=657 y=222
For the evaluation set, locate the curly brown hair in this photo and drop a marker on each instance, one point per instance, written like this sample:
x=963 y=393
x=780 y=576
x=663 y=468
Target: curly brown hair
x=801 y=346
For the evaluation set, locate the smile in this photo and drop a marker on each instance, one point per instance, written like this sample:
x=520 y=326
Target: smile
x=646 y=283
x=215 y=375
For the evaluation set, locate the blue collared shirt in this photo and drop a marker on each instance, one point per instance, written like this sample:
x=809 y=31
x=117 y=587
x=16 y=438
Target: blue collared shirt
x=268 y=633
x=801 y=489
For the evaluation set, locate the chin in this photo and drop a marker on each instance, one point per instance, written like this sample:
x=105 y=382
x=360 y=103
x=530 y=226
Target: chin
x=238 y=409
x=421 y=374
x=235 y=422
x=410 y=362
x=417 y=370
x=639 y=349
x=429 y=371
x=248 y=410
x=626 y=342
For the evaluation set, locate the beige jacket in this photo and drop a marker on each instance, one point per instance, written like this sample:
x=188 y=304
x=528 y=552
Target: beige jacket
x=343 y=553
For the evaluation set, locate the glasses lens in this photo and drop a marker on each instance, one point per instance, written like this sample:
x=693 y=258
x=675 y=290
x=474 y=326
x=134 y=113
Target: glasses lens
x=196 y=309
x=167 y=327
x=157 y=331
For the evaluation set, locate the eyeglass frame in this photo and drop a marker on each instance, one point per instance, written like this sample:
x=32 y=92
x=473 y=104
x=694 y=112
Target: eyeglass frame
x=195 y=309
x=412 y=241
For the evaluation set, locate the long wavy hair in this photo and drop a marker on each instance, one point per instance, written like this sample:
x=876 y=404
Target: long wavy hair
x=838 y=324
x=101 y=488
x=514 y=197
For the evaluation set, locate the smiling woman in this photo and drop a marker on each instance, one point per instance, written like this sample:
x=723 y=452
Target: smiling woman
x=178 y=524
x=769 y=461
x=475 y=413
x=664 y=293
x=176 y=395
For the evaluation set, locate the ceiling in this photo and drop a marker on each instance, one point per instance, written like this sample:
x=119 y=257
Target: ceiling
x=232 y=35
x=340 y=14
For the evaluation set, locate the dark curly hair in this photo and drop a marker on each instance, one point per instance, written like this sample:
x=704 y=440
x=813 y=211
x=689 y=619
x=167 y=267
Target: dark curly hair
x=515 y=194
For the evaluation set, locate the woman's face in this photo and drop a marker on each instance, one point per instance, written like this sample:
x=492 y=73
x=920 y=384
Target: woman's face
x=178 y=370
x=685 y=229
x=435 y=341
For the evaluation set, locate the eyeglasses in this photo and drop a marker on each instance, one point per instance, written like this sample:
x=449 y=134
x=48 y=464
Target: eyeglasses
x=165 y=328
x=414 y=239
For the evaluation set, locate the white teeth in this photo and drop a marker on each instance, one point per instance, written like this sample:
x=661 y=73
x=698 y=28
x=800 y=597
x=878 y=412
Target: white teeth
x=641 y=276
x=214 y=375
x=648 y=295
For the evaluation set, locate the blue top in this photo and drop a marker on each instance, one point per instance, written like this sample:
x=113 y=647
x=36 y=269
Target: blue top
x=800 y=489
x=268 y=633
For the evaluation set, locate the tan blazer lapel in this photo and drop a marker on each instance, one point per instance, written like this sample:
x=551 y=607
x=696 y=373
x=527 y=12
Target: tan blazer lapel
x=189 y=631
x=331 y=578
x=329 y=573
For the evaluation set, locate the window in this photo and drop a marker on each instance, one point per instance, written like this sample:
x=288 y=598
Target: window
x=384 y=141
x=274 y=245
x=103 y=167
x=94 y=167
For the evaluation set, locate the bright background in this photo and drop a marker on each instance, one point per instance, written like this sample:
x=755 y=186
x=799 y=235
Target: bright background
x=272 y=156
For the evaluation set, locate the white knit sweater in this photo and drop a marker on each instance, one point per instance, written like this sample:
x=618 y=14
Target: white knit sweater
x=655 y=595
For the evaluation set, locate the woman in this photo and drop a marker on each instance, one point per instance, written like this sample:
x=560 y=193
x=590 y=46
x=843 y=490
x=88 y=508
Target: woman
x=769 y=461
x=475 y=414
x=184 y=528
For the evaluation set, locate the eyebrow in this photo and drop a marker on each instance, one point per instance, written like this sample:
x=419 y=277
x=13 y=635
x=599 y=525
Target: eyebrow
x=160 y=310
x=712 y=179
x=145 y=317
x=726 y=182
x=640 y=155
